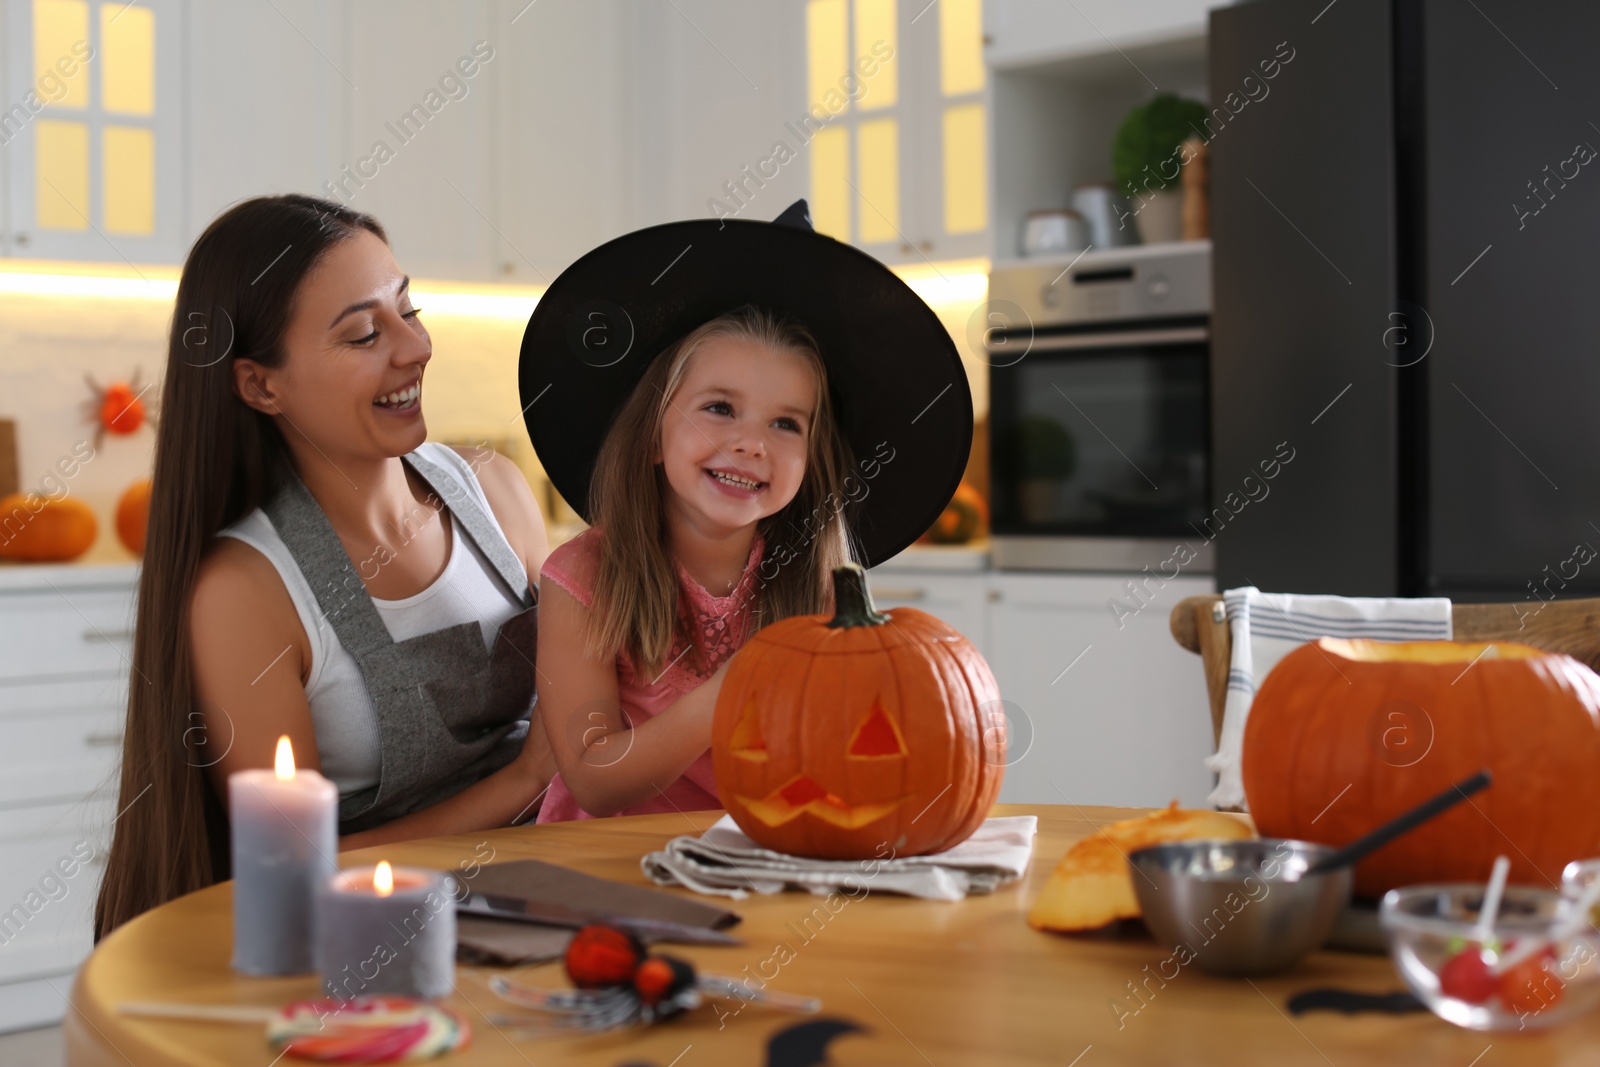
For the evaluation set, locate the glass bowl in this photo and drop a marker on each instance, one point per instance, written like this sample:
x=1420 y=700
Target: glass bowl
x=1578 y=876
x=1433 y=938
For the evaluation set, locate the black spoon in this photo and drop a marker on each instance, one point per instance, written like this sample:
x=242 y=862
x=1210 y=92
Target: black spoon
x=1412 y=819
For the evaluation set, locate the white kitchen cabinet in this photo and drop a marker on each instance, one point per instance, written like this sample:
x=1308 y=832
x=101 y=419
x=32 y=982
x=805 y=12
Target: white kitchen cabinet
x=898 y=161
x=65 y=638
x=1023 y=32
x=245 y=140
x=566 y=150
x=1102 y=707
x=960 y=599
x=1100 y=713
x=418 y=152
x=93 y=130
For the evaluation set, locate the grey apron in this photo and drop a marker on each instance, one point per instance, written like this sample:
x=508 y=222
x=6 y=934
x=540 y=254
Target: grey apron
x=449 y=712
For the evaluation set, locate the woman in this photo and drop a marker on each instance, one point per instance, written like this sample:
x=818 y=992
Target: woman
x=314 y=569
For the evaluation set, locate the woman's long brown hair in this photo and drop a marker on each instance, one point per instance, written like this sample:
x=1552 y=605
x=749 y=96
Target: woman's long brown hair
x=216 y=461
x=636 y=583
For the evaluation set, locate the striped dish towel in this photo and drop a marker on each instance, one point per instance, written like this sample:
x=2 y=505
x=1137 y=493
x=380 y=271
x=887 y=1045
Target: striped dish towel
x=1265 y=627
x=723 y=861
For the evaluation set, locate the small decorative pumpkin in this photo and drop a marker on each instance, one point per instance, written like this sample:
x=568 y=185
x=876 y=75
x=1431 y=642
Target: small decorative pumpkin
x=962 y=519
x=849 y=737
x=1345 y=735
x=133 y=516
x=39 y=529
x=1092 y=886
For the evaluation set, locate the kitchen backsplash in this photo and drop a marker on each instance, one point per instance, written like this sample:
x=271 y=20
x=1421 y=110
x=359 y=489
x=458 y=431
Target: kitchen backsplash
x=49 y=343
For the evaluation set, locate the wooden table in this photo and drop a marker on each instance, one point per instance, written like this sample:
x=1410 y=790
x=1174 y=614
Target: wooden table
x=934 y=983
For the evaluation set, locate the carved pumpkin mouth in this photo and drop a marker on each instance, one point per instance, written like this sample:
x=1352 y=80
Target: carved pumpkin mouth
x=803 y=794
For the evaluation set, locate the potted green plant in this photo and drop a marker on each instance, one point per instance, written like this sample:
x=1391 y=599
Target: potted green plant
x=1045 y=456
x=1146 y=157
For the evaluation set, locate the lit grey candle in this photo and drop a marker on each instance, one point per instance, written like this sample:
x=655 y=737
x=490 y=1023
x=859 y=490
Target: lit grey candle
x=386 y=930
x=285 y=840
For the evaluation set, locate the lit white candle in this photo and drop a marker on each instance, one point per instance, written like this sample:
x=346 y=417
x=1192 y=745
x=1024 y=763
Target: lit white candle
x=386 y=929
x=285 y=839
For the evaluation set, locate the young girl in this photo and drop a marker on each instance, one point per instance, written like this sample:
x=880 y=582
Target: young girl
x=724 y=491
x=727 y=440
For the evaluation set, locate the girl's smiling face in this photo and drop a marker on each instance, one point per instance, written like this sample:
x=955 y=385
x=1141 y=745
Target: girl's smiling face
x=736 y=434
x=352 y=382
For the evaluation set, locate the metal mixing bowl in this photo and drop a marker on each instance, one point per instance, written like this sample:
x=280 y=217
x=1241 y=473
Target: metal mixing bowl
x=1238 y=907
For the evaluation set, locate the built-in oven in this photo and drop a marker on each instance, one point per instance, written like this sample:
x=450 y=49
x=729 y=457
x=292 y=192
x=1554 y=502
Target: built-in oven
x=1098 y=409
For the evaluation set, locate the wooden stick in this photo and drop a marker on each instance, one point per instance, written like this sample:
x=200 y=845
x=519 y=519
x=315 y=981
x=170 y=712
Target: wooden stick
x=213 y=1013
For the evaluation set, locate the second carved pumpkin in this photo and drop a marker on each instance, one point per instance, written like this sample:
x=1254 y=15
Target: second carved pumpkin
x=845 y=738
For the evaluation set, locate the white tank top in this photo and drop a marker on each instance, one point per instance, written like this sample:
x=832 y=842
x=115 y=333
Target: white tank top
x=341 y=709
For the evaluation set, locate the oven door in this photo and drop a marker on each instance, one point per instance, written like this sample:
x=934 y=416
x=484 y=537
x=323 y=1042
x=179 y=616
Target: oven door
x=1099 y=441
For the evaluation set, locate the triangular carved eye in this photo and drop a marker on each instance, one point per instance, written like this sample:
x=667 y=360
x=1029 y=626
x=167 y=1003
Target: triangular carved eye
x=877 y=736
x=747 y=741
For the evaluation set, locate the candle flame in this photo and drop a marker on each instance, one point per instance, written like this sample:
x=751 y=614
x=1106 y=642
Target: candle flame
x=383 y=879
x=283 y=763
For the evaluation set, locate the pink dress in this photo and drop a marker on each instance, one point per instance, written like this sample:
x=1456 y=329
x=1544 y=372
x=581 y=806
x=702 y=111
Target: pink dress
x=718 y=627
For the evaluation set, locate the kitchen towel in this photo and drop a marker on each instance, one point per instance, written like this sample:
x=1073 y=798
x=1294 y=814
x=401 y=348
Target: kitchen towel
x=492 y=941
x=725 y=862
x=1265 y=627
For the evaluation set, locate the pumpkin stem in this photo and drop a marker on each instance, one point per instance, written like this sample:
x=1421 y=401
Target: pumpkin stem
x=852 y=600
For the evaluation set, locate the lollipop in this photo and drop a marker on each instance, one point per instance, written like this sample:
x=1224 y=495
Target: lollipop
x=371 y=1029
x=376 y=1029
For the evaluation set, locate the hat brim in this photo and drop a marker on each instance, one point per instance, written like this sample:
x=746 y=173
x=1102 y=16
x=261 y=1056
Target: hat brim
x=900 y=389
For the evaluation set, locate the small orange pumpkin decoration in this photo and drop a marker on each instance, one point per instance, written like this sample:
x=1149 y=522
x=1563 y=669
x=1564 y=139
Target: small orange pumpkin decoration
x=1345 y=735
x=133 y=515
x=843 y=738
x=961 y=520
x=38 y=529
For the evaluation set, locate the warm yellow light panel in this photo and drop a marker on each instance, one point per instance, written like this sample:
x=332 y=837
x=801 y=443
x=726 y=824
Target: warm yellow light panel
x=830 y=182
x=128 y=177
x=827 y=48
x=878 y=179
x=61 y=175
x=960 y=46
x=127 y=59
x=875 y=23
x=57 y=26
x=966 y=195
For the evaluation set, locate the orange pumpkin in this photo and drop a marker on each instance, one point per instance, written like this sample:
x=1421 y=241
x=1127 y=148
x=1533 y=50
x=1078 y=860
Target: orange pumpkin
x=1345 y=735
x=962 y=519
x=133 y=515
x=845 y=738
x=38 y=529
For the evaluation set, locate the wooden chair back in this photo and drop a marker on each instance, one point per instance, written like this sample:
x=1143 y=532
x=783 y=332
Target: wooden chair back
x=1200 y=624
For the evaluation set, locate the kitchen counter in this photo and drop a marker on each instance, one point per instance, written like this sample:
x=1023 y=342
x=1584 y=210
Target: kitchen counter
x=958 y=559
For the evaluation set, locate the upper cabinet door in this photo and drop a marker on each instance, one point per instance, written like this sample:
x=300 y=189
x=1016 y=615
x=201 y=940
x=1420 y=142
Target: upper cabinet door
x=253 y=127
x=1024 y=32
x=93 y=138
x=417 y=150
x=896 y=106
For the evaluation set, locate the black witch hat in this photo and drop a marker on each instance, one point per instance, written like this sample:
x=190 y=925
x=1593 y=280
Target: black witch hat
x=897 y=382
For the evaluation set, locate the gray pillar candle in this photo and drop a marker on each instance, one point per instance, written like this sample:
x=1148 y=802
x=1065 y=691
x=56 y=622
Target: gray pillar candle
x=386 y=930
x=285 y=840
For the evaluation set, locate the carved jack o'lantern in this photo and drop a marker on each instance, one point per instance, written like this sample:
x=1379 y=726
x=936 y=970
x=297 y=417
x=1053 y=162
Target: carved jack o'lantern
x=835 y=738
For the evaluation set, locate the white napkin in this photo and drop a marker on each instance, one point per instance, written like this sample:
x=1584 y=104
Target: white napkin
x=1265 y=627
x=725 y=862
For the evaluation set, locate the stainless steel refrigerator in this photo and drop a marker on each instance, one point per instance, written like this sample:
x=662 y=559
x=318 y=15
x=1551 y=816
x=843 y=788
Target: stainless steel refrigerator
x=1406 y=271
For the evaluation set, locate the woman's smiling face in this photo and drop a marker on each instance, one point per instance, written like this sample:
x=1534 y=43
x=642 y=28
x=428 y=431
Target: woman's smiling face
x=736 y=433
x=352 y=379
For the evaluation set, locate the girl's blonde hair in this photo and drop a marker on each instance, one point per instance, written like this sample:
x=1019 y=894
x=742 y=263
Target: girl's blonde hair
x=636 y=609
